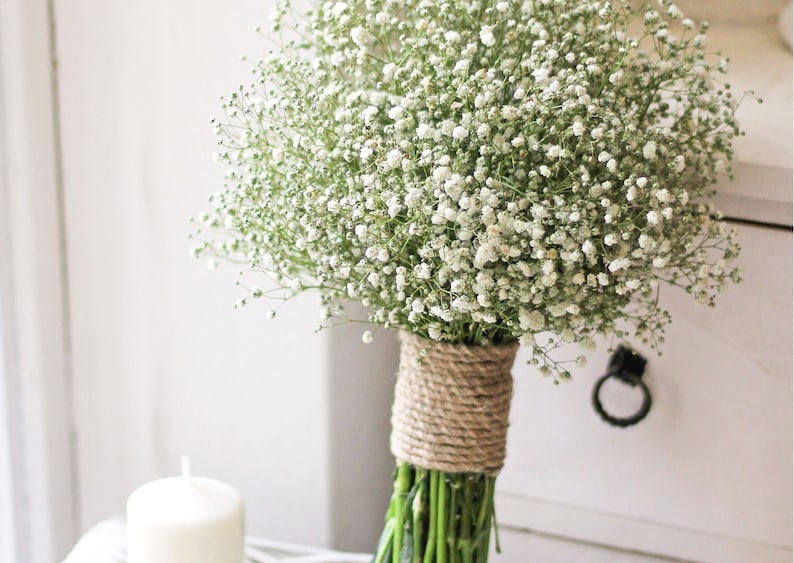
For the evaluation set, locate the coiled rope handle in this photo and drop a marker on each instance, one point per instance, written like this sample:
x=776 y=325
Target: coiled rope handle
x=628 y=367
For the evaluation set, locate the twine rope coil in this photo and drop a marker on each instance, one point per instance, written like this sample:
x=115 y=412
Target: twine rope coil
x=451 y=405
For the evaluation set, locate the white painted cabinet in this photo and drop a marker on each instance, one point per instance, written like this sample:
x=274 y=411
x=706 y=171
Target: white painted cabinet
x=707 y=475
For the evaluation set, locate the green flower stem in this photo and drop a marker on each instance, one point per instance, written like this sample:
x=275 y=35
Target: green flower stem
x=419 y=507
x=402 y=485
x=431 y=527
x=492 y=517
x=437 y=517
x=452 y=516
x=465 y=524
x=441 y=521
x=485 y=516
x=385 y=542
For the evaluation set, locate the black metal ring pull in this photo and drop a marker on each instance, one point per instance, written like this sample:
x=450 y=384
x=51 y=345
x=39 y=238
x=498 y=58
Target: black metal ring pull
x=628 y=367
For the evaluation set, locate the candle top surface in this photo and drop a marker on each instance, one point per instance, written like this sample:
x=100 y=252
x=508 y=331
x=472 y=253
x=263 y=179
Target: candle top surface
x=185 y=499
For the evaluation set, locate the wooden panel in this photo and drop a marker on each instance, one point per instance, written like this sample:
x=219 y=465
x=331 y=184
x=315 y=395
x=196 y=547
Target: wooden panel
x=713 y=457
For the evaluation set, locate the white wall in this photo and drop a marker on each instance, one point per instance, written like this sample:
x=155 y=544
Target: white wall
x=8 y=528
x=34 y=372
x=163 y=364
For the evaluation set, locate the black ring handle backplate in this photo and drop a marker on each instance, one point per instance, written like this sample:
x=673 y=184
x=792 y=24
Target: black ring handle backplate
x=628 y=367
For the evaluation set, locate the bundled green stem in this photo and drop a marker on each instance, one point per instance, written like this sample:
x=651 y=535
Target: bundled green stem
x=437 y=517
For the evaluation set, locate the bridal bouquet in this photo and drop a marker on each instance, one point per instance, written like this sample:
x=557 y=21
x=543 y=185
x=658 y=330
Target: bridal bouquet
x=477 y=174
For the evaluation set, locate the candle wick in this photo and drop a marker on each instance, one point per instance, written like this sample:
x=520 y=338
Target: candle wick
x=185 y=467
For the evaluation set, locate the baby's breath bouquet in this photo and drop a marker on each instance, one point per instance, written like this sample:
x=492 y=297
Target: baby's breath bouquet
x=477 y=174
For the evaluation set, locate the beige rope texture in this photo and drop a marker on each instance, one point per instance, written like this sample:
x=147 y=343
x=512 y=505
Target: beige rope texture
x=451 y=407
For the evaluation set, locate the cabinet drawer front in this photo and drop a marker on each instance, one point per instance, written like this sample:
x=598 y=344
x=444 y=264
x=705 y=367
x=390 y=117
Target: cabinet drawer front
x=707 y=475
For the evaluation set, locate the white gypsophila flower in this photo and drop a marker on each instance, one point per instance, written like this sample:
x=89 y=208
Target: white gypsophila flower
x=532 y=321
x=339 y=8
x=396 y=113
x=663 y=195
x=619 y=264
x=649 y=150
x=369 y=114
x=475 y=194
x=424 y=131
x=540 y=74
x=487 y=36
x=361 y=36
x=645 y=241
x=393 y=158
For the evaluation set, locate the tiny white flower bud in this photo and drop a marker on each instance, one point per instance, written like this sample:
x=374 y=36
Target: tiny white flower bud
x=649 y=150
x=487 y=36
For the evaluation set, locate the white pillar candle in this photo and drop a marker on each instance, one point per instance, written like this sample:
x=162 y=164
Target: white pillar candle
x=185 y=519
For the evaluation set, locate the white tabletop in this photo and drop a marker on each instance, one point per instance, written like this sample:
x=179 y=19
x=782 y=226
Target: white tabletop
x=105 y=543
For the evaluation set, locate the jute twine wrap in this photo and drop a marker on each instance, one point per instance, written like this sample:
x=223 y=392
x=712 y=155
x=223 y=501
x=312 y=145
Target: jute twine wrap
x=451 y=407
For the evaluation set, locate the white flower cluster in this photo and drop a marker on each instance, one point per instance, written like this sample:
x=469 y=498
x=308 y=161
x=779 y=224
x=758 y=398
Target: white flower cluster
x=482 y=171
